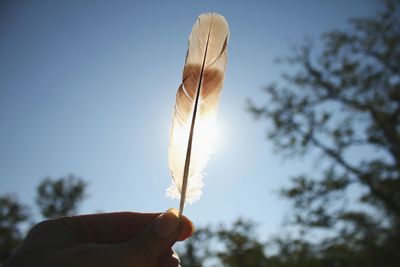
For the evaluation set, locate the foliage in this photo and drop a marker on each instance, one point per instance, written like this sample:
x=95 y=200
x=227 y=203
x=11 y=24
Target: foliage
x=12 y=214
x=60 y=197
x=196 y=250
x=241 y=246
x=234 y=246
x=343 y=102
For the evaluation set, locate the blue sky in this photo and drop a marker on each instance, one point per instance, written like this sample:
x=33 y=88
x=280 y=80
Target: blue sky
x=88 y=88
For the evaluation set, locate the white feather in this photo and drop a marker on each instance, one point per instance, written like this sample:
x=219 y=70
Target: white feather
x=193 y=123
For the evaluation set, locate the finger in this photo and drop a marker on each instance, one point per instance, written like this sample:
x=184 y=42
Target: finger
x=149 y=248
x=109 y=228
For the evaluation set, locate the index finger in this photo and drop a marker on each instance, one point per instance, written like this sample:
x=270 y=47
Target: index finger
x=109 y=228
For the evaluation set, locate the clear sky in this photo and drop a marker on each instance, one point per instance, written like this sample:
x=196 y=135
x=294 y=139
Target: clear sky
x=88 y=88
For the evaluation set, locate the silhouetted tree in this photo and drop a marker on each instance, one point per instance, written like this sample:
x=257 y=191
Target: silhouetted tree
x=342 y=103
x=241 y=246
x=293 y=253
x=60 y=197
x=229 y=246
x=196 y=250
x=12 y=214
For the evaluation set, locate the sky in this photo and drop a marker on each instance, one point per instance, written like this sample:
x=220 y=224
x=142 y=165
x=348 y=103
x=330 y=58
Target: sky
x=88 y=88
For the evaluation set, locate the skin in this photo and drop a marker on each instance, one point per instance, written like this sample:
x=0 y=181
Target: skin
x=112 y=239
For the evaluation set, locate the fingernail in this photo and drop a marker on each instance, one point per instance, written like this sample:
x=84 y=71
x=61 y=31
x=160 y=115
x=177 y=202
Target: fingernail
x=167 y=223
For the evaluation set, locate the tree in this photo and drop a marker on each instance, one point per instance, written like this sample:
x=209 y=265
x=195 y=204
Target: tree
x=342 y=103
x=230 y=246
x=12 y=214
x=241 y=246
x=60 y=197
x=195 y=251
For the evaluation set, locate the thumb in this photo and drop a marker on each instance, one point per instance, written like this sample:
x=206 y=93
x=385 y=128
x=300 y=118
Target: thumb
x=156 y=240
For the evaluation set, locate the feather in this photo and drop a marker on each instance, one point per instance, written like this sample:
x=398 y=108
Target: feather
x=193 y=120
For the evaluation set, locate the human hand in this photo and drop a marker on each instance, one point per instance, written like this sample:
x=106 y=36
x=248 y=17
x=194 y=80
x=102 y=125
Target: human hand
x=110 y=239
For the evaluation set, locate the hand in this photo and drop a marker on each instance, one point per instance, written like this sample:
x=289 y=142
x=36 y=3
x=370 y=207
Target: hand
x=111 y=239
